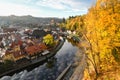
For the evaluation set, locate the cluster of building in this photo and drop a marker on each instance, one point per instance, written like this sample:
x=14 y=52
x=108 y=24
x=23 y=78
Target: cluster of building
x=15 y=44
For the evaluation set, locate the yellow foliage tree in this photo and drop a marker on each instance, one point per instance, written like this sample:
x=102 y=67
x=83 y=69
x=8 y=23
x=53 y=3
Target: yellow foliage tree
x=100 y=27
x=48 y=40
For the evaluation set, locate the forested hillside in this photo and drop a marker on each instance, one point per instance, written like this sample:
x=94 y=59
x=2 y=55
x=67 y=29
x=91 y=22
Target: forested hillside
x=100 y=30
x=28 y=20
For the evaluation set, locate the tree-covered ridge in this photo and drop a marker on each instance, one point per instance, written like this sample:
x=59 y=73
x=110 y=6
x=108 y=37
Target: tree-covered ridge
x=27 y=20
x=100 y=28
x=75 y=23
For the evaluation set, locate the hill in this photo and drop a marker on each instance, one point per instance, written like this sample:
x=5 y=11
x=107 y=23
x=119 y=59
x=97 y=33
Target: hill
x=28 y=21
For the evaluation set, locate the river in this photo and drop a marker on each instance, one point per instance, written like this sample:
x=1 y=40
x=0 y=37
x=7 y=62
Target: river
x=51 y=69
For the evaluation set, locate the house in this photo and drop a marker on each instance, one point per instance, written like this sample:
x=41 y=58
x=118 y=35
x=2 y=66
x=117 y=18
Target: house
x=18 y=55
x=13 y=55
x=1 y=30
x=15 y=52
x=40 y=33
x=37 y=48
x=8 y=55
x=9 y=30
x=2 y=52
x=16 y=43
x=28 y=32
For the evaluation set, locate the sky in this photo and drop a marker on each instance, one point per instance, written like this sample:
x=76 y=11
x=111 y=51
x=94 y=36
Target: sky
x=45 y=8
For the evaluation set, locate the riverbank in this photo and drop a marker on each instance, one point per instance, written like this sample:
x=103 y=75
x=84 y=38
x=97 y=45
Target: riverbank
x=85 y=72
x=52 y=68
x=36 y=62
x=80 y=64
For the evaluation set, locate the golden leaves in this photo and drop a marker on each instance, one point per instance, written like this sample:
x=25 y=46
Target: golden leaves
x=101 y=31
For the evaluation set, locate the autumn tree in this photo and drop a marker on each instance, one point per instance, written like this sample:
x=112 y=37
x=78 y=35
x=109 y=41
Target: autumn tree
x=76 y=24
x=48 y=40
x=103 y=29
x=100 y=29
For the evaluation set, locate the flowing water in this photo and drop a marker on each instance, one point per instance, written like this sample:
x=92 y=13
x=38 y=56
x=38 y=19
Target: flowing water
x=51 y=69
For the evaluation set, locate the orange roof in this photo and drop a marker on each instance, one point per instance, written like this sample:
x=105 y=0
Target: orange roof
x=17 y=54
x=20 y=42
x=8 y=52
x=35 y=48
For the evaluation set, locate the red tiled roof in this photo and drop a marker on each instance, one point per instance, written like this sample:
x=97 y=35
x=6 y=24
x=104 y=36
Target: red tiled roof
x=20 y=42
x=17 y=54
x=8 y=52
x=35 y=48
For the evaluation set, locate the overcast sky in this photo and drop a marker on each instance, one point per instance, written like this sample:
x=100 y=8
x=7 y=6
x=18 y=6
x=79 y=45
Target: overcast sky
x=45 y=8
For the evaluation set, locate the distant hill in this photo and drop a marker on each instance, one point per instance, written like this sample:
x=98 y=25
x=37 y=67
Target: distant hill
x=26 y=21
